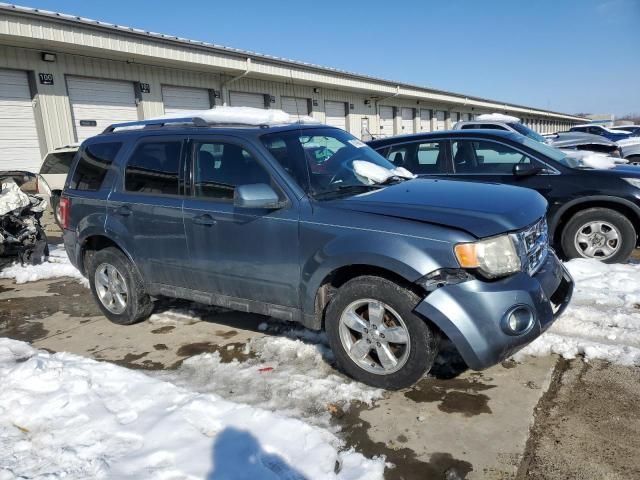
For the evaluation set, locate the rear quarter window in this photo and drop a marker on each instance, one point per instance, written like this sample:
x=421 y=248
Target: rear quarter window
x=93 y=164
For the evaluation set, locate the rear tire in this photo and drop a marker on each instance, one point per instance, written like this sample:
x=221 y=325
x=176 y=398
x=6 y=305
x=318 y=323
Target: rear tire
x=117 y=287
x=380 y=307
x=594 y=232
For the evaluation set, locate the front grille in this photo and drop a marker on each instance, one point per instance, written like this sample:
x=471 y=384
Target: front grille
x=533 y=246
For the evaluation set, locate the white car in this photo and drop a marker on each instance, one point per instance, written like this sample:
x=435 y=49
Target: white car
x=54 y=170
x=498 y=121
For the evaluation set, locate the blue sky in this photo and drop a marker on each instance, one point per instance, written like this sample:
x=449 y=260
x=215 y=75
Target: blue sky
x=567 y=55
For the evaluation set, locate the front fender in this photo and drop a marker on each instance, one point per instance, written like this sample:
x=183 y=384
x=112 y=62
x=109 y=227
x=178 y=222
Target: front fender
x=406 y=257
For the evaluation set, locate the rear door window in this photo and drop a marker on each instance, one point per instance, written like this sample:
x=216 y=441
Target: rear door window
x=154 y=168
x=485 y=157
x=93 y=164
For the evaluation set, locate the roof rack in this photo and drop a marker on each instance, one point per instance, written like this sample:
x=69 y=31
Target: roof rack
x=194 y=121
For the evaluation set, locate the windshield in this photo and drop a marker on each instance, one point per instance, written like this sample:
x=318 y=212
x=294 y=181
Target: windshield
x=553 y=153
x=329 y=161
x=526 y=131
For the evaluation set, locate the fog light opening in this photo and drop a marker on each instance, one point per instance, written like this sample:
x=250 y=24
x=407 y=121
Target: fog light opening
x=518 y=320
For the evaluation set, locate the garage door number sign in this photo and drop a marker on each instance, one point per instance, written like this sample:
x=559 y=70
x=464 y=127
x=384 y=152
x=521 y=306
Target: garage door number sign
x=46 y=78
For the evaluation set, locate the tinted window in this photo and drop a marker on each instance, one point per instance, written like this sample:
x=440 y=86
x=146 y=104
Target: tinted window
x=484 y=126
x=153 y=168
x=57 y=163
x=93 y=165
x=398 y=156
x=220 y=167
x=478 y=157
x=430 y=158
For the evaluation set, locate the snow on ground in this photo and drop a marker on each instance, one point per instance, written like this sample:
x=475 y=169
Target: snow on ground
x=58 y=265
x=603 y=318
x=289 y=370
x=65 y=416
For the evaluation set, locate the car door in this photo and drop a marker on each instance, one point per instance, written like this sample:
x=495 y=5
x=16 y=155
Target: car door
x=146 y=207
x=486 y=160
x=238 y=252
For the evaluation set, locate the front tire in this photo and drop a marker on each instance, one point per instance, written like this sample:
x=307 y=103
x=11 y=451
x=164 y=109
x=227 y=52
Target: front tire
x=375 y=336
x=599 y=233
x=117 y=287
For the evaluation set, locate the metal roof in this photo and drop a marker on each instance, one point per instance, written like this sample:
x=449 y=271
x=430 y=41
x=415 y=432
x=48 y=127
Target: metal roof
x=246 y=53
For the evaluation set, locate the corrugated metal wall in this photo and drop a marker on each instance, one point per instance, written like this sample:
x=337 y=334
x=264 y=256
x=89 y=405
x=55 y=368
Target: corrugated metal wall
x=54 y=117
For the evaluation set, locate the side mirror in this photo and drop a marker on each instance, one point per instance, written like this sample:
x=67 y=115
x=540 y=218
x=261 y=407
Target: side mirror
x=525 y=170
x=257 y=195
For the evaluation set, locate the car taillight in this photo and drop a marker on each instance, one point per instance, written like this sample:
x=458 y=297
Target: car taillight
x=64 y=205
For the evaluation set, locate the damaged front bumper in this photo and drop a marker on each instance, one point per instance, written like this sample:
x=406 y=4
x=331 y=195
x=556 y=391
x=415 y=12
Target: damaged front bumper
x=475 y=314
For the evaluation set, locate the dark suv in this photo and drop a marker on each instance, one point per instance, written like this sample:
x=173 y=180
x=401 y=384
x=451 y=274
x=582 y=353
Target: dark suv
x=593 y=212
x=306 y=223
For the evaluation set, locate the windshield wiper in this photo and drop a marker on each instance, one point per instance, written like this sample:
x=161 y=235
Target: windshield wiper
x=347 y=190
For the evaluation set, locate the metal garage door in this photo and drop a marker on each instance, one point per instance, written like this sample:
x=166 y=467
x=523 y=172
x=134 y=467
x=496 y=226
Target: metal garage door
x=454 y=116
x=466 y=117
x=184 y=99
x=440 y=120
x=244 y=99
x=407 y=120
x=425 y=120
x=19 y=148
x=386 y=121
x=295 y=106
x=97 y=103
x=336 y=114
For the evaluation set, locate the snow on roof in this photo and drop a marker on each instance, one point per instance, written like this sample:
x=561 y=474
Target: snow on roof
x=242 y=115
x=497 y=117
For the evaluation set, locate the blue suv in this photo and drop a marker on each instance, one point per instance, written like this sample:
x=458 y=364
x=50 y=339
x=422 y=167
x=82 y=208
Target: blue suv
x=306 y=223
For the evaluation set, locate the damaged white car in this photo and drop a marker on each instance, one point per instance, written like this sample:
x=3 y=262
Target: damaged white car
x=21 y=233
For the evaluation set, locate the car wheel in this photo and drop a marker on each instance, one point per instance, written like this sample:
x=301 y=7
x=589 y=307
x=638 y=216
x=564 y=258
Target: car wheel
x=633 y=159
x=599 y=233
x=117 y=287
x=375 y=336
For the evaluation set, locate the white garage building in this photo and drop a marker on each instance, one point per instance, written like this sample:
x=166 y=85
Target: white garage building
x=65 y=78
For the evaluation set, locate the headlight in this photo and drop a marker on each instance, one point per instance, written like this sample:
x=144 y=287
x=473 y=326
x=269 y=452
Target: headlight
x=493 y=257
x=634 y=182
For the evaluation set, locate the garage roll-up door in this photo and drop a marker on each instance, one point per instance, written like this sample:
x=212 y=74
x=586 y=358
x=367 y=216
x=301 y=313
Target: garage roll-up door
x=407 y=120
x=386 y=121
x=336 y=114
x=244 y=99
x=19 y=148
x=295 y=106
x=454 y=117
x=440 y=120
x=184 y=99
x=97 y=103
x=425 y=120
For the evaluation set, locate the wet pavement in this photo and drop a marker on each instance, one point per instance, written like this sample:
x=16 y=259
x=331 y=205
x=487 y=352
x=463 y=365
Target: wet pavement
x=472 y=426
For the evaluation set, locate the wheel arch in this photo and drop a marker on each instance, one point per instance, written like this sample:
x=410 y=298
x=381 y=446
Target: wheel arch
x=620 y=205
x=95 y=243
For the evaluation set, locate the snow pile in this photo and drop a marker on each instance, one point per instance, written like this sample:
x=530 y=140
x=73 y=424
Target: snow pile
x=242 y=115
x=497 y=117
x=603 y=319
x=58 y=265
x=593 y=159
x=64 y=416
x=292 y=376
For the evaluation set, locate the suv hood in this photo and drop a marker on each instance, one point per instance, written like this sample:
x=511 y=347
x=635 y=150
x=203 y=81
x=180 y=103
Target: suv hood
x=481 y=209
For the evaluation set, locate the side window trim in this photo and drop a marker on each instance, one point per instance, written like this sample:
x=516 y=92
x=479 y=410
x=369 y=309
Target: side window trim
x=551 y=169
x=156 y=139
